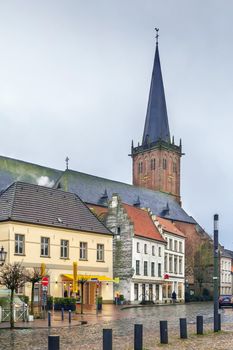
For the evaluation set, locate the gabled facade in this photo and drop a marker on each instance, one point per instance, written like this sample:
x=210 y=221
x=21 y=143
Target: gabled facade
x=39 y=225
x=138 y=252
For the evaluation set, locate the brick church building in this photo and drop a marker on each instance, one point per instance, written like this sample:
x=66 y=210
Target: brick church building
x=156 y=163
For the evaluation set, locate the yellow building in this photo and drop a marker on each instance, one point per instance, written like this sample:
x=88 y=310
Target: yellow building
x=40 y=225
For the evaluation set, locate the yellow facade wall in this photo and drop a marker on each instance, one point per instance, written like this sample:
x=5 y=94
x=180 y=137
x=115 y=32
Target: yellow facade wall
x=56 y=266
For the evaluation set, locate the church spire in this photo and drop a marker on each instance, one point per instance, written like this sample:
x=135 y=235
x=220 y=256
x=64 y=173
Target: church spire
x=156 y=125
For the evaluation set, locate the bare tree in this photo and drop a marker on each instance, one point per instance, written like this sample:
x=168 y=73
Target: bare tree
x=13 y=276
x=34 y=276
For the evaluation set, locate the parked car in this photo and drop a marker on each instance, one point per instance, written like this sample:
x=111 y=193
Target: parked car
x=225 y=300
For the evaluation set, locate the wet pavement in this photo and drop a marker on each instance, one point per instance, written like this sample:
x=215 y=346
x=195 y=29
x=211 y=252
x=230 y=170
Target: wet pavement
x=122 y=322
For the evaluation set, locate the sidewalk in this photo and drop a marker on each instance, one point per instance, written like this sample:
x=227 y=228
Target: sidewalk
x=110 y=312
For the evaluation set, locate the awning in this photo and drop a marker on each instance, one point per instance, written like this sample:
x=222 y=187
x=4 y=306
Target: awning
x=92 y=278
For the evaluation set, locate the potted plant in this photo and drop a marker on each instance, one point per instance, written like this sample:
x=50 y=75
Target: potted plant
x=121 y=298
x=99 y=303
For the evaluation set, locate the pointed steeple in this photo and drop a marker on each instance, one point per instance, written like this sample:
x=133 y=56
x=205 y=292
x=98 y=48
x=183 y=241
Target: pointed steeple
x=156 y=125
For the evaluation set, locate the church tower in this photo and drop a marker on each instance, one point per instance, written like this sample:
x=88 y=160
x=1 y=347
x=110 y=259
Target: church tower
x=156 y=162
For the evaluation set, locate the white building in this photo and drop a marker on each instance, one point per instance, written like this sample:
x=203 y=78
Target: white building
x=174 y=259
x=225 y=272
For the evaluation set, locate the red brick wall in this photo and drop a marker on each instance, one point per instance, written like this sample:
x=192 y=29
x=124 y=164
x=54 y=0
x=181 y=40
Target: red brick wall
x=159 y=179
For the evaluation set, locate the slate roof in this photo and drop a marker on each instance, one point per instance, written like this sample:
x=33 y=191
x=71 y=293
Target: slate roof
x=12 y=170
x=143 y=224
x=226 y=253
x=23 y=202
x=92 y=188
x=156 y=125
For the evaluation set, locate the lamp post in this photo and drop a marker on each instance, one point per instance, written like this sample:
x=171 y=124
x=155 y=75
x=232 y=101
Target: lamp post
x=3 y=255
x=216 y=273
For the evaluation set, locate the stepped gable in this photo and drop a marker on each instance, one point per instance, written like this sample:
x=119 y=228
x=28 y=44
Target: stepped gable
x=28 y=203
x=143 y=224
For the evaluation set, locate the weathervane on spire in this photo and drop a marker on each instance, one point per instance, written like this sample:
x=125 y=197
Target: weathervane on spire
x=157 y=35
x=67 y=163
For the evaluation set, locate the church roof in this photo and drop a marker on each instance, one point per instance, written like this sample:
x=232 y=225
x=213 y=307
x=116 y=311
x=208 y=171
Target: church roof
x=156 y=124
x=91 y=188
x=23 y=202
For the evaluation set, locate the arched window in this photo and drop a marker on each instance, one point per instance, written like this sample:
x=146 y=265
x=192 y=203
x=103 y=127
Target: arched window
x=152 y=164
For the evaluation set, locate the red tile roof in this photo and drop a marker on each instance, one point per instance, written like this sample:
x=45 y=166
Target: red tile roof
x=143 y=224
x=169 y=226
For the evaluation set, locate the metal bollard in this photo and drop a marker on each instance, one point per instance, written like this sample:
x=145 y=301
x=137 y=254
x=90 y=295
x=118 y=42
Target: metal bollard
x=107 y=339
x=199 y=324
x=49 y=319
x=138 y=337
x=219 y=322
x=69 y=316
x=183 y=328
x=62 y=314
x=53 y=342
x=163 y=332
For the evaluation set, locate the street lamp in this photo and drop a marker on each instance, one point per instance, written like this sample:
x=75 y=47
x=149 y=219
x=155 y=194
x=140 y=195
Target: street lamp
x=3 y=255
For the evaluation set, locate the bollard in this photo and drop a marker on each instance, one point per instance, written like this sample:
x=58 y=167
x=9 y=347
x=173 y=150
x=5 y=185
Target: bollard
x=49 y=319
x=219 y=322
x=62 y=314
x=199 y=324
x=163 y=332
x=69 y=316
x=138 y=337
x=107 y=339
x=183 y=328
x=53 y=342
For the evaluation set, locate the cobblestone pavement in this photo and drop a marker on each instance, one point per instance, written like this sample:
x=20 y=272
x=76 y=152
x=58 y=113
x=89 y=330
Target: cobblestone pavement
x=122 y=322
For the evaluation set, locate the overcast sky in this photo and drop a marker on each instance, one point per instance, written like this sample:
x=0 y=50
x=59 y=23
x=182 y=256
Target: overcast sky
x=75 y=77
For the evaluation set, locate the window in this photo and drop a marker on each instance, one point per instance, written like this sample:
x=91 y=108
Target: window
x=180 y=266
x=153 y=250
x=165 y=263
x=174 y=167
x=44 y=246
x=135 y=291
x=138 y=247
x=137 y=267
x=83 y=251
x=19 y=244
x=170 y=264
x=152 y=164
x=100 y=252
x=159 y=251
x=180 y=247
x=164 y=163
x=152 y=269
x=175 y=264
x=170 y=244
x=140 y=167
x=145 y=268
x=175 y=246
x=145 y=248
x=64 y=249
x=159 y=270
